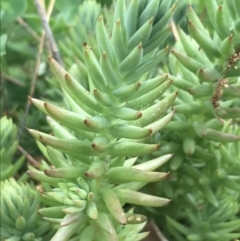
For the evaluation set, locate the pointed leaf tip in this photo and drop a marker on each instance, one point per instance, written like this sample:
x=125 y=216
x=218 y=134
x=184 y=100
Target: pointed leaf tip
x=45 y=104
x=87 y=174
x=67 y=76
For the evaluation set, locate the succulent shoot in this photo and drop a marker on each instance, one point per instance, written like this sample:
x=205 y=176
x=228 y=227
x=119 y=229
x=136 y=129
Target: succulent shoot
x=19 y=217
x=9 y=146
x=98 y=138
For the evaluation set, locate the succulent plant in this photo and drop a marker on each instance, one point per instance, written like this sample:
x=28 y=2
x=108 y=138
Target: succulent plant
x=214 y=68
x=19 y=217
x=103 y=130
x=9 y=144
x=82 y=30
x=207 y=185
x=209 y=222
x=116 y=130
x=204 y=134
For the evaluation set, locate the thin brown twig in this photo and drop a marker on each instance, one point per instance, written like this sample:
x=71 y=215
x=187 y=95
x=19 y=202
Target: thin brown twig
x=34 y=79
x=48 y=31
x=33 y=84
x=28 y=156
x=154 y=232
x=28 y=29
x=11 y=79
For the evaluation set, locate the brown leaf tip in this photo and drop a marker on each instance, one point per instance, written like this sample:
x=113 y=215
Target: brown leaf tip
x=118 y=22
x=157 y=146
x=67 y=76
x=139 y=84
x=139 y=114
x=29 y=98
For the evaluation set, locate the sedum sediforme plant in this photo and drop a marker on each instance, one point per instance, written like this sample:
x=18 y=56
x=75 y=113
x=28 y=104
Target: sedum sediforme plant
x=209 y=222
x=78 y=33
x=114 y=111
x=207 y=182
x=9 y=145
x=98 y=138
x=19 y=218
x=215 y=66
x=82 y=29
x=204 y=133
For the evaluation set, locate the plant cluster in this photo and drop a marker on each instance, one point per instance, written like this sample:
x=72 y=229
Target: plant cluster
x=107 y=141
x=9 y=146
x=204 y=133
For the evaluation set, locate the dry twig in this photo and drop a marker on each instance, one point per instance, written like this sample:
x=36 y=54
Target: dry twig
x=28 y=156
x=34 y=79
x=28 y=29
x=48 y=31
x=33 y=84
x=11 y=79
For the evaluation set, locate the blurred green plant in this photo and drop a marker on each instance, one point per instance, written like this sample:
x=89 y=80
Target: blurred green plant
x=19 y=218
x=9 y=145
